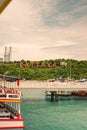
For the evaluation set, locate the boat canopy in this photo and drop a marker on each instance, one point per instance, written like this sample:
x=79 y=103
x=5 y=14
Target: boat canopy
x=9 y=78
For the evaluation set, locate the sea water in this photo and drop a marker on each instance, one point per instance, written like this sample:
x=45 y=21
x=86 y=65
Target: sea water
x=45 y=115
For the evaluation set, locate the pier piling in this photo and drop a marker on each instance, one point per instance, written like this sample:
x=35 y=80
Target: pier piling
x=56 y=97
x=52 y=96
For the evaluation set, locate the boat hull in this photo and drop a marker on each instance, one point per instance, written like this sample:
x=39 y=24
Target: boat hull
x=12 y=129
x=6 y=124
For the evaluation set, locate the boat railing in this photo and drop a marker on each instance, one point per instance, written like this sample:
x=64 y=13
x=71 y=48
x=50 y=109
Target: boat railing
x=12 y=110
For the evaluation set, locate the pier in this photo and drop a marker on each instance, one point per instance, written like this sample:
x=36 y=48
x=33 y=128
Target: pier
x=56 y=86
x=66 y=91
x=55 y=96
x=51 y=90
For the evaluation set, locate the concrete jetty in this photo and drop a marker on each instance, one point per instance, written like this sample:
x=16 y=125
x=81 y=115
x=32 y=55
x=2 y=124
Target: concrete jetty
x=53 y=89
x=56 y=86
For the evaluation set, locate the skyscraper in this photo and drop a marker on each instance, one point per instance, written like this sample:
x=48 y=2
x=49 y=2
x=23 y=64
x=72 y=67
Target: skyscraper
x=7 y=54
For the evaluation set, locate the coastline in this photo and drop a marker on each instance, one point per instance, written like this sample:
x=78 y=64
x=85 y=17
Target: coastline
x=54 y=85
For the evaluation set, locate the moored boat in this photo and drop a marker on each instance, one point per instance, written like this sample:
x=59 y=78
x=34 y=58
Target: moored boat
x=64 y=93
x=10 y=115
x=79 y=93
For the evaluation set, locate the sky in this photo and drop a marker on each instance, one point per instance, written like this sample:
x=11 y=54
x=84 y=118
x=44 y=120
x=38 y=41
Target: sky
x=44 y=29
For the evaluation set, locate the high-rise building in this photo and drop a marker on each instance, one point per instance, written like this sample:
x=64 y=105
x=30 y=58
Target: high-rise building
x=7 y=54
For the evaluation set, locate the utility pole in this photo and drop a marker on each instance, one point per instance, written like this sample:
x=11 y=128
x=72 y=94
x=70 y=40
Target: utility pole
x=70 y=71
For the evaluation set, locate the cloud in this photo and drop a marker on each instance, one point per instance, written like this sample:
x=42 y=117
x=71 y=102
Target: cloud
x=46 y=29
x=59 y=44
x=63 y=12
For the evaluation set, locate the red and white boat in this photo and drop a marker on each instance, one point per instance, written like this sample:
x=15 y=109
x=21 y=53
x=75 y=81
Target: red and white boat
x=10 y=115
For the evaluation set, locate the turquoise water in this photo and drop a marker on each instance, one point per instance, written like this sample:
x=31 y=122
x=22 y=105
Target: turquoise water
x=62 y=115
x=65 y=114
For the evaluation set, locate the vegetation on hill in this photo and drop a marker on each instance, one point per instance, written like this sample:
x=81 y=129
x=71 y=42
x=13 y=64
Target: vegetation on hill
x=47 y=69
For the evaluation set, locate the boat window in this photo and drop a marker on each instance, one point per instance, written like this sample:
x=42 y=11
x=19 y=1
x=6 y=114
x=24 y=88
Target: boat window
x=0 y=91
x=13 y=96
x=3 y=95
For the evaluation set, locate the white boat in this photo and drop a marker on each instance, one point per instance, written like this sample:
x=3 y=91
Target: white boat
x=64 y=93
x=10 y=115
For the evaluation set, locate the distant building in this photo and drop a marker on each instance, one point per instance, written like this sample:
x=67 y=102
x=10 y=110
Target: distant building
x=7 y=54
x=63 y=63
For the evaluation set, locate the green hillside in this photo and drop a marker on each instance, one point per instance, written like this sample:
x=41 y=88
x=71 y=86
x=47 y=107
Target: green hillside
x=47 y=69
